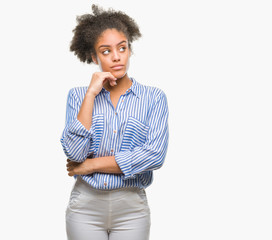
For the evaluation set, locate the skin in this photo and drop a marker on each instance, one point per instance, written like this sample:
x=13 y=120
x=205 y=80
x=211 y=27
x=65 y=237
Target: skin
x=111 y=49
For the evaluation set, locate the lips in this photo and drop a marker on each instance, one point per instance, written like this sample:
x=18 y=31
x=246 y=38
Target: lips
x=117 y=67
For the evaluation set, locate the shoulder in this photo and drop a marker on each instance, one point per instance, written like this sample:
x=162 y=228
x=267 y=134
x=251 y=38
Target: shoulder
x=78 y=93
x=153 y=99
x=151 y=92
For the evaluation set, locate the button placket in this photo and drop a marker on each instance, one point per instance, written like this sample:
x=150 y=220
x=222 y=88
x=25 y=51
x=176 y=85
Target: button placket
x=121 y=102
x=114 y=132
x=106 y=181
x=115 y=124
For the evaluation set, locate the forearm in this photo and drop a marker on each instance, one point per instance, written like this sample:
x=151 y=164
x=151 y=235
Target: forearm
x=86 y=110
x=106 y=165
x=91 y=165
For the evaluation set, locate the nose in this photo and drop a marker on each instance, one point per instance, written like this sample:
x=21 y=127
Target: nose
x=115 y=56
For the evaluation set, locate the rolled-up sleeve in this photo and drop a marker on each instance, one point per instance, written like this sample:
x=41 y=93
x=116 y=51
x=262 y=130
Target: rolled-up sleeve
x=151 y=155
x=76 y=139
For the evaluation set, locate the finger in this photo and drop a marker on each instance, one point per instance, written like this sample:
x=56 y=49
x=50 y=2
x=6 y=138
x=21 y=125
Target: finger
x=110 y=76
x=72 y=164
x=73 y=172
x=69 y=164
x=113 y=83
x=71 y=168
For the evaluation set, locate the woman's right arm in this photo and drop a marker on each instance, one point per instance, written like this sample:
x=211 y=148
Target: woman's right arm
x=86 y=111
x=77 y=135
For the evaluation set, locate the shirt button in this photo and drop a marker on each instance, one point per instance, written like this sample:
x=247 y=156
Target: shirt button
x=105 y=184
x=111 y=150
x=114 y=131
x=122 y=100
x=115 y=113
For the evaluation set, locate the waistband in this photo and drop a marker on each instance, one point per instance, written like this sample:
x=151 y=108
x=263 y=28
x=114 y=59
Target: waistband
x=86 y=188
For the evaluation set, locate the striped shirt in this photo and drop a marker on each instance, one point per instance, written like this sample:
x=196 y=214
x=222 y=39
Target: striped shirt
x=136 y=133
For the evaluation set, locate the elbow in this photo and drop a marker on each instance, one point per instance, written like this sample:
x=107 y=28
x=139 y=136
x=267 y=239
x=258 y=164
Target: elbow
x=159 y=164
x=72 y=154
x=159 y=160
x=74 y=157
x=160 y=153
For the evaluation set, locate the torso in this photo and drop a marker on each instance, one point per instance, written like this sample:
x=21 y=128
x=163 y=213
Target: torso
x=116 y=94
x=115 y=98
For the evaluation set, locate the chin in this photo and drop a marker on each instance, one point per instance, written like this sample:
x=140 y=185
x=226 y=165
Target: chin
x=119 y=75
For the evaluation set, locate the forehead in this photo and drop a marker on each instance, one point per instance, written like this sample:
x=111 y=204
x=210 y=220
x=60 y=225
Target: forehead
x=110 y=37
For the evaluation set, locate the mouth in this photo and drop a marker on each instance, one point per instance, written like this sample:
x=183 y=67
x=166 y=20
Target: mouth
x=117 y=67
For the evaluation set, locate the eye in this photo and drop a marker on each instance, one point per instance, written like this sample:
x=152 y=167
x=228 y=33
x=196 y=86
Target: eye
x=122 y=49
x=106 y=52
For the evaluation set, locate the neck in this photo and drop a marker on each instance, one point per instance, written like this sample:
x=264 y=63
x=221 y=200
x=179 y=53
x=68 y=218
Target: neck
x=122 y=84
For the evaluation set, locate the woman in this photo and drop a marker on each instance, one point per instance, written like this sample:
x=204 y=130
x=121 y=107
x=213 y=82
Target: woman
x=116 y=134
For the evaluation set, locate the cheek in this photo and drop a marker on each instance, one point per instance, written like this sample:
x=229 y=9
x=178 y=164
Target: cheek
x=102 y=65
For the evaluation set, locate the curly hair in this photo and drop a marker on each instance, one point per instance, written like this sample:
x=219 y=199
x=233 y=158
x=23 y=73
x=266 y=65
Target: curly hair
x=91 y=26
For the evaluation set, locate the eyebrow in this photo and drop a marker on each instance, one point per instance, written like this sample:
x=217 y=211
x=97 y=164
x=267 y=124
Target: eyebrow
x=110 y=45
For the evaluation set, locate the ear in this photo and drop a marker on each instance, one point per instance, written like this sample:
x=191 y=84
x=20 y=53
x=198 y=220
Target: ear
x=94 y=59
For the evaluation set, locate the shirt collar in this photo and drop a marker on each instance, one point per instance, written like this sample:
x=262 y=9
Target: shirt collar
x=134 y=88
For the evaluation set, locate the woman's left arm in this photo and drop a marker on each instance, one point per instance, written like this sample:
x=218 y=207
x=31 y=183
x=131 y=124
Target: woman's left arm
x=151 y=155
x=148 y=157
x=91 y=165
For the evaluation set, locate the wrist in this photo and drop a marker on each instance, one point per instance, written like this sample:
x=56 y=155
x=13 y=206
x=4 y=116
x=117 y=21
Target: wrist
x=90 y=93
x=89 y=165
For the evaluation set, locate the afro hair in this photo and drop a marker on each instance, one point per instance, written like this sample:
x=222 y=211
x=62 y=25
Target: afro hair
x=91 y=26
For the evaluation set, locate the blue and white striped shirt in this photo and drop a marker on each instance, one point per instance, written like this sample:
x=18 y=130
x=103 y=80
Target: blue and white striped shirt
x=136 y=133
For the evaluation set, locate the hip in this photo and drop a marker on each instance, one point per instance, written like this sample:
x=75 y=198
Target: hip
x=85 y=199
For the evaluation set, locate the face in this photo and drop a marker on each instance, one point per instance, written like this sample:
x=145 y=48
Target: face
x=112 y=53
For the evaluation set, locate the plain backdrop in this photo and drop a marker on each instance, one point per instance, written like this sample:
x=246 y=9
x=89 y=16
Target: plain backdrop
x=213 y=61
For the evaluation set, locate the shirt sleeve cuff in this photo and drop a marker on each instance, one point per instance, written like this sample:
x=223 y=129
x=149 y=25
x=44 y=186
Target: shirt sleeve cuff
x=123 y=159
x=78 y=129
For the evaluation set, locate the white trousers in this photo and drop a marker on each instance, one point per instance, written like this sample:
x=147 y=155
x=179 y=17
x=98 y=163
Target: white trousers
x=121 y=214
